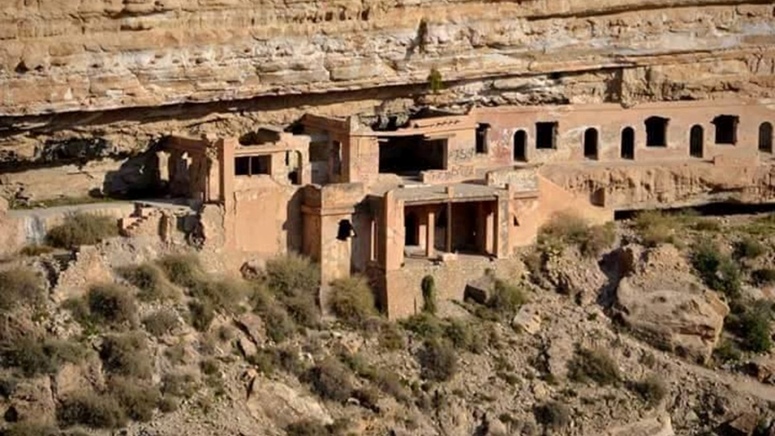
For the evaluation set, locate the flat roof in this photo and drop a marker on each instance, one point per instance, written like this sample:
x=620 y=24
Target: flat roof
x=461 y=192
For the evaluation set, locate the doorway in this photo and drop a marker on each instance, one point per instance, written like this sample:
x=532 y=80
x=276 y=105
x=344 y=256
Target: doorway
x=411 y=230
x=696 y=141
x=765 y=137
x=590 y=144
x=628 y=143
x=520 y=146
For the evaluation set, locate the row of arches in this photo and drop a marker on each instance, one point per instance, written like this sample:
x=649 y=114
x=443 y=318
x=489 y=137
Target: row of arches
x=627 y=146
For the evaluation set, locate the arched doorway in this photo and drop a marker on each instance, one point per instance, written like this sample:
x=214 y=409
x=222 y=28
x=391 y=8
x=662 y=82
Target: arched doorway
x=696 y=141
x=765 y=137
x=520 y=146
x=590 y=143
x=411 y=230
x=628 y=143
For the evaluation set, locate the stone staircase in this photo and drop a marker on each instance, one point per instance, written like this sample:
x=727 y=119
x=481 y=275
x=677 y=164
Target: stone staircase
x=143 y=221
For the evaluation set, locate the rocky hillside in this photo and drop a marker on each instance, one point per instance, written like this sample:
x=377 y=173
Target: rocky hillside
x=132 y=63
x=659 y=326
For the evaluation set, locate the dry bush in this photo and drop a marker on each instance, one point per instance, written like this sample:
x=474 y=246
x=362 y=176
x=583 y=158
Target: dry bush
x=137 y=399
x=554 y=415
x=352 y=301
x=20 y=286
x=90 y=410
x=35 y=250
x=34 y=356
x=182 y=269
x=331 y=380
x=161 y=322
x=716 y=269
x=651 y=390
x=655 y=227
x=112 y=304
x=292 y=274
x=279 y=325
x=391 y=337
x=506 y=298
x=439 y=360
x=571 y=230
x=29 y=428
x=126 y=354
x=150 y=280
x=82 y=229
x=182 y=385
x=593 y=365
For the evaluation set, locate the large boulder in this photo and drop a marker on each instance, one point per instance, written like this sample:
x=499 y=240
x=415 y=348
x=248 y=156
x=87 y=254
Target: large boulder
x=575 y=275
x=273 y=403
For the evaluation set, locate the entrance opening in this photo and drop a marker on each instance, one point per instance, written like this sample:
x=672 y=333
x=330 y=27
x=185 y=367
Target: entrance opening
x=520 y=146
x=546 y=135
x=726 y=129
x=590 y=143
x=409 y=155
x=765 y=137
x=628 y=143
x=411 y=230
x=656 y=131
x=696 y=141
x=481 y=138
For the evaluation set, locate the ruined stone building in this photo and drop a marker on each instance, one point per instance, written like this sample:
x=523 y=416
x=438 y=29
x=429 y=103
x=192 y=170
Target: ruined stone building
x=432 y=192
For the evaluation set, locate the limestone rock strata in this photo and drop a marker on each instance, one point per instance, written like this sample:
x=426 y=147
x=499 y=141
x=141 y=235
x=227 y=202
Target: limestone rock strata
x=92 y=55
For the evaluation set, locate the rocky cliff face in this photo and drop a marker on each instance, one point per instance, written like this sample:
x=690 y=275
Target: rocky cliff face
x=225 y=59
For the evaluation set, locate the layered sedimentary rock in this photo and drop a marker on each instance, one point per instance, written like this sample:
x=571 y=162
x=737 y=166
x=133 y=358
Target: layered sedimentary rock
x=225 y=59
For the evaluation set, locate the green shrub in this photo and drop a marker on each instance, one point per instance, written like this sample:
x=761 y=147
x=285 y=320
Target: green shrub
x=749 y=248
x=331 y=380
x=718 y=271
x=35 y=250
x=111 y=304
x=506 y=298
x=8 y=386
x=593 y=365
x=126 y=354
x=554 y=415
x=655 y=227
x=150 y=280
x=202 y=314
x=292 y=274
x=567 y=229
x=303 y=308
x=161 y=322
x=352 y=300
x=727 y=352
x=209 y=366
x=35 y=356
x=279 y=326
x=286 y=359
x=428 y=287
x=424 y=325
x=651 y=390
x=438 y=360
x=90 y=410
x=28 y=428
x=391 y=337
x=20 y=286
x=707 y=225
x=226 y=295
x=182 y=269
x=435 y=81
x=82 y=229
x=183 y=385
x=755 y=329
x=137 y=399
x=764 y=276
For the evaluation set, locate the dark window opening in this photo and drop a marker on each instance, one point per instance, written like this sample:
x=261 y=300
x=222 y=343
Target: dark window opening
x=410 y=155
x=546 y=135
x=628 y=143
x=318 y=152
x=336 y=157
x=345 y=230
x=411 y=230
x=656 y=131
x=520 y=146
x=481 y=138
x=590 y=144
x=765 y=137
x=252 y=165
x=696 y=141
x=726 y=129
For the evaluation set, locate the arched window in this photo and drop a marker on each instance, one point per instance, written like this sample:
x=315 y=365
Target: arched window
x=520 y=146
x=765 y=137
x=696 y=141
x=628 y=143
x=590 y=143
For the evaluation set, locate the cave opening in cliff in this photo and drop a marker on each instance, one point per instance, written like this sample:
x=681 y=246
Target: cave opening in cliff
x=520 y=146
x=410 y=155
x=628 y=143
x=656 y=131
x=590 y=143
x=546 y=135
x=726 y=129
x=765 y=137
x=696 y=141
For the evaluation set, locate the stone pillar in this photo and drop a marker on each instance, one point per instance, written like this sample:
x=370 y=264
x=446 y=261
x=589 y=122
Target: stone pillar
x=448 y=245
x=430 y=235
x=490 y=228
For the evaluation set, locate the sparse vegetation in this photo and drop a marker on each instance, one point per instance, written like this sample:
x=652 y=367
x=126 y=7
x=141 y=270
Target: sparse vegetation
x=90 y=410
x=391 y=337
x=19 y=286
x=717 y=270
x=570 y=230
x=182 y=385
x=111 y=304
x=28 y=428
x=279 y=326
x=506 y=298
x=554 y=415
x=438 y=360
x=764 y=276
x=161 y=322
x=593 y=365
x=126 y=354
x=331 y=380
x=435 y=81
x=82 y=229
x=651 y=390
x=137 y=399
x=34 y=356
x=181 y=269
x=428 y=287
x=727 y=352
x=35 y=250
x=754 y=326
x=150 y=280
x=292 y=274
x=749 y=248
x=655 y=227
x=352 y=300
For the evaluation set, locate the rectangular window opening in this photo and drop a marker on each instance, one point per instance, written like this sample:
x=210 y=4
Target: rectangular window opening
x=726 y=129
x=656 y=131
x=546 y=135
x=252 y=165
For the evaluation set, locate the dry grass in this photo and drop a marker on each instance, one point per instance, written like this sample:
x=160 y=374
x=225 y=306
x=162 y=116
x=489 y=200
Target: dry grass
x=82 y=229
